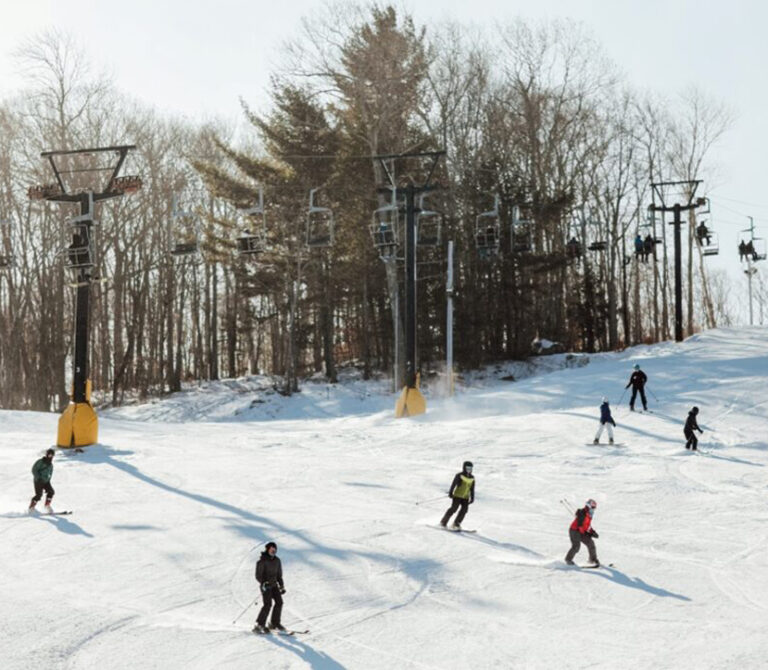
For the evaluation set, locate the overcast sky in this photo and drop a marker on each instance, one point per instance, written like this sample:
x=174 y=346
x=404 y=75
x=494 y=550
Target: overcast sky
x=196 y=58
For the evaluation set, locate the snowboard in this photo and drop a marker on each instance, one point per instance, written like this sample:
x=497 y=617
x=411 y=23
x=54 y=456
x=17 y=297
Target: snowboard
x=454 y=530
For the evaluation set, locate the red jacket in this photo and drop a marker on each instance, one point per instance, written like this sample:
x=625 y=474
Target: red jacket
x=586 y=524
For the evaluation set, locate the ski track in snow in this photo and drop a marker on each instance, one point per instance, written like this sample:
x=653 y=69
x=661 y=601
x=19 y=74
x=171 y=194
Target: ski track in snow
x=174 y=507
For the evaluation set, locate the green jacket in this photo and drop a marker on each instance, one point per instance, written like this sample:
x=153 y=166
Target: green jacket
x=42 y=470
x=463 y=486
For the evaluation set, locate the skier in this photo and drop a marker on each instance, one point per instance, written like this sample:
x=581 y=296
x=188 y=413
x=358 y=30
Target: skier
x=648 y=244
x=462 y=492
x=42 y=471
x=637 y=382
x=639 y=247
x=581 y=532
x=269 y=574
x=690 y=425
x=606 y=421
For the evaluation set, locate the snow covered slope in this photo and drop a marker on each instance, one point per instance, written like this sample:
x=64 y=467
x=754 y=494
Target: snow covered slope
x=172 y=509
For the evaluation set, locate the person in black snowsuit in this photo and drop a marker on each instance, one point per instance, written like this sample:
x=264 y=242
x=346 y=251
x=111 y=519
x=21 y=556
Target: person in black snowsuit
x=42 y=471
x=691 y=442
x=637 y=382
x=462 y=492
x=269 y=575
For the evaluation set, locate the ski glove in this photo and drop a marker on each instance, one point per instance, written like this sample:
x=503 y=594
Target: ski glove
x=282 y=589
x=265 y=587
x=614 y=424
x=593 y=533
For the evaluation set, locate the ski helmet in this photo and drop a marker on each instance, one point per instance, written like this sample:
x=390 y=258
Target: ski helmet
x=467 y=466
x=591 y=504
x=694 y=410
x=605 y=399
x=270 y=545
x=50 y=452
x=636 y=366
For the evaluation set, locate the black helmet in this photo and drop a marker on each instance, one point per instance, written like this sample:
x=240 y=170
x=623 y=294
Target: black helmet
x=694 y=410
x=50 y=452
x=467 y=464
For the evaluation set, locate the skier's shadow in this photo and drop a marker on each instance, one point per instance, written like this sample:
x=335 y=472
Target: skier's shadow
x=317 y=660
x=499 y=545
x=64 y=525
x=613 y=575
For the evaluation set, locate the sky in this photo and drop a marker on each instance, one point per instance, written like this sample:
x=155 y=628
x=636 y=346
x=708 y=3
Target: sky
x=198 y=58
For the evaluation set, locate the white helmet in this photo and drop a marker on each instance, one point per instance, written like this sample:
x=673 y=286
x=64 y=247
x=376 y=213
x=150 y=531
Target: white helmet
x=605 y=399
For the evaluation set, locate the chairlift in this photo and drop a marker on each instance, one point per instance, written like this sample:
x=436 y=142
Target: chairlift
x=707 y=239
x=185 y=232
x=319 y=224
x=522 y=235
x=428 y=225
x=488 y=231
x=751 y=248
x=6 y=246
x=384 y=227
x=252 y=241
x=598 y=245
x=79 y=254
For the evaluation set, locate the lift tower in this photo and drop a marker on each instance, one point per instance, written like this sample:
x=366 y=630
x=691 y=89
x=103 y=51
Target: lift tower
x=85 y=177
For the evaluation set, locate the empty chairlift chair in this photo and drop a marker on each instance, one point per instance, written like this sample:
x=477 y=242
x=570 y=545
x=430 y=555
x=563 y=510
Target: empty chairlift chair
x=488 y=231
x=428 y=225
x=384 y=227
x=185 y=232
x=252 y=241
x=319 y=224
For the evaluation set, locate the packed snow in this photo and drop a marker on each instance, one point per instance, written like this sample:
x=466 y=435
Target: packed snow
x=173 y=507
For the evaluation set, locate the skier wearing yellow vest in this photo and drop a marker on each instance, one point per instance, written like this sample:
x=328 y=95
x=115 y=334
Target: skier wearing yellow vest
x=463 y=494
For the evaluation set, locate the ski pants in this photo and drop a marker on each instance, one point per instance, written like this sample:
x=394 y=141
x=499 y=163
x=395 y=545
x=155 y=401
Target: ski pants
x=39 y=488
x=635 y=389
x=691 y=439
x=577 y=539
x=603 y=426
x=457 y=502
x=268 y=596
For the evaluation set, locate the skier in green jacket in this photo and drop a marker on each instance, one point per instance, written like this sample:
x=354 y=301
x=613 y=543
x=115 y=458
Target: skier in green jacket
x=462 y=492
x=42 y=471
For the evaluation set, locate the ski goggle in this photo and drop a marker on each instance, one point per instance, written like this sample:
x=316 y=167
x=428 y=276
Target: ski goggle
x=468 y=468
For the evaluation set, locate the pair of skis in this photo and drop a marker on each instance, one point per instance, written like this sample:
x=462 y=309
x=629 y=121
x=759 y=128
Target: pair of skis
x=285 y=633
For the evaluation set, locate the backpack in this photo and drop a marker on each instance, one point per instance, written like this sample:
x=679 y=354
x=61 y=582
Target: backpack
x=580 y=514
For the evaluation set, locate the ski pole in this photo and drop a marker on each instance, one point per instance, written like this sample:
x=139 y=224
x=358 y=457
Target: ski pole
x=247 y=607
x=424 y=502
x=622 y=396
x=564 y=502
x=653 y=394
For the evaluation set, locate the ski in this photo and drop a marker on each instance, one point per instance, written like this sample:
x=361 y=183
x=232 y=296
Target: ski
x=69 y=511
x=596 y=567
x=285 y=633
x=453 y=530
x=600 y=444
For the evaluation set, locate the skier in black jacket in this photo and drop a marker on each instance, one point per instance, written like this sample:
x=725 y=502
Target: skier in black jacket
x=269 y=574
x=691 y=441
x=637 y=382
x=462 y=492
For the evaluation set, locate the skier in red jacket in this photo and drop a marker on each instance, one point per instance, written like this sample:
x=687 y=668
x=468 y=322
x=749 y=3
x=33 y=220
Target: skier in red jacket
x=581 y=531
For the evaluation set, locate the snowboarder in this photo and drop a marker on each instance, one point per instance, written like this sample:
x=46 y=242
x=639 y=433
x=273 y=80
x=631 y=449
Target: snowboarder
x=269 y=575
x=462 y=492
x=42 y=471
x=606 y=421
x=637 y=382
x=581 y=532
x=691 y=442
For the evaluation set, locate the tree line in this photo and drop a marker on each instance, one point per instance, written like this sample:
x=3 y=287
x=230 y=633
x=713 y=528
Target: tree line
x=532 y=116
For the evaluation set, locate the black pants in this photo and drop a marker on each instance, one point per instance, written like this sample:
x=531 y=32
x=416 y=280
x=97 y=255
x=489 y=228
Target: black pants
x=577 y=539
x=691 y=441
x=268 y=596
x=457 y=502
x=635 y=389
x=39 y=488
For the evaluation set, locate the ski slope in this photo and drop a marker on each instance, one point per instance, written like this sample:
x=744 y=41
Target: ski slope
x=172 y=509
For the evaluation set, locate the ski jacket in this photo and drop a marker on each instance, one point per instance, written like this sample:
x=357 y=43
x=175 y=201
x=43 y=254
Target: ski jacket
x=42 y=470
x=690 y=423
x=605 y=414
x=269 y=570
x=463 y=486
x=582 y=521
x=637 y=380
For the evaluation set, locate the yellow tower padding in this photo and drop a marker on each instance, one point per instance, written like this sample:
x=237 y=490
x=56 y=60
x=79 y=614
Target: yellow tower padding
x=410 y=402
x=78 y=424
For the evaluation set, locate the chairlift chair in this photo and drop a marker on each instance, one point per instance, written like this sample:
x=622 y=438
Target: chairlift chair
x=760 y=251
x=319 y=224
x=598 y=245
x=488 y=231
x=79 y=254
x=709 y=243
x=252 y=241
x=428 y=225
x=521 y=232
x=185 y=232
x=384 y=227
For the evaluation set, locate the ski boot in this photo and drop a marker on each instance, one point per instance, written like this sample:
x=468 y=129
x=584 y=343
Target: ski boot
x=32 y=508
x=443 y=524
x=610 y=440
x=260 y=630
x=595 y=441
x=277 y=626
x=569 y=562
x=455 y=527
x=47 y=507
x=594 y=564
